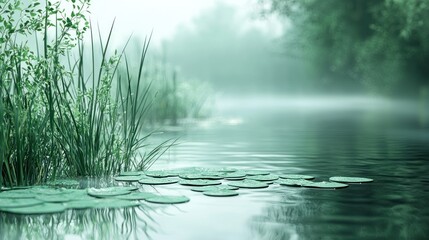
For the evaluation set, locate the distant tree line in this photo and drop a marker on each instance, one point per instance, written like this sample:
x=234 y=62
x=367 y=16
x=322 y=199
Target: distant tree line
x=382 y=45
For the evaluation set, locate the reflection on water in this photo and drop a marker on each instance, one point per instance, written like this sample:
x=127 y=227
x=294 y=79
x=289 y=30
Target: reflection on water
x=378 y=139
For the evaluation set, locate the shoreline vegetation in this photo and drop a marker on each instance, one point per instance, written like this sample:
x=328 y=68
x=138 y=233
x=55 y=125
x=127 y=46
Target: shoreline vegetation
x=71 y=110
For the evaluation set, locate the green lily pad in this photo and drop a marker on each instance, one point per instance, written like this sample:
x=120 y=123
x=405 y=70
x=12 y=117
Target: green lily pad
x=47 y=190
x=161 y=174
x=116 y=203
x=168 y=199
x=221 y=193
x=351 y=179
x=331 y=185
x=107 y=192
x=248 y=184
x=24 y=193
x=64 y=183
x=82 y=204
x=199 y=182
x=293 y=182
x=59 y=198
x=45 y=208
x=131 y=173
x=15 y=203
x=158 y=181
x=136 y=196
x=129 y=188
x=223 y=169
x=214 y=188
x=296 y=176
x=237 y=174
x=269 y=177
x=255 y=172
x=195 y=176
x=128 y=178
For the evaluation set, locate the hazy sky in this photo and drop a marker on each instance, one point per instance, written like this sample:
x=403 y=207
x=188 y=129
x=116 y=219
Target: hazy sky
x=164 y=16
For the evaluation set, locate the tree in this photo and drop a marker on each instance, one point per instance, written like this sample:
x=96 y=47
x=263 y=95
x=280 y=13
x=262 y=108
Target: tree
x=382 y=44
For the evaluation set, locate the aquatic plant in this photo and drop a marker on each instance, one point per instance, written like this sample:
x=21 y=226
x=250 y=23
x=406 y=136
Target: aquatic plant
x=55 y=117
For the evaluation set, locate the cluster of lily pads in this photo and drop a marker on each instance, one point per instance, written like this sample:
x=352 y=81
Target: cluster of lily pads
x=219 y=182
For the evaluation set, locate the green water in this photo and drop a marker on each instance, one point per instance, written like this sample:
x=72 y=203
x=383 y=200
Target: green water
x=384 y=140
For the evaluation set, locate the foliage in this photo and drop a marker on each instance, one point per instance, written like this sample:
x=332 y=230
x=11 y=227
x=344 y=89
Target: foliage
x=382 y=43
x=56 y=119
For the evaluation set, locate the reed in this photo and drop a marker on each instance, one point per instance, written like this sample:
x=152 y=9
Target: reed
x=57 y=119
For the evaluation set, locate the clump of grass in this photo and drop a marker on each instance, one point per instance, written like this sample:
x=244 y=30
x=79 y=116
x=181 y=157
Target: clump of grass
x=57 y=119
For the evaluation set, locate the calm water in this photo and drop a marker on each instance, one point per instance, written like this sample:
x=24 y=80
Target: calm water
x=386 y=141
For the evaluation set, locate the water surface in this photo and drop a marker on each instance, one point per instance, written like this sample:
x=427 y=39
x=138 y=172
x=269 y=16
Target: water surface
x=384 y=140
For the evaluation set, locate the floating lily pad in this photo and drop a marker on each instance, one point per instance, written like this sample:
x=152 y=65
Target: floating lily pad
x=296 y=176
x=214 y=188
x=269 y=177
x=129 y=188
x=107 y=192
x=47 y=191
x=224 y=169
x=131 y=173
x=168 y=199
x=59 y=198
x=158 y=181
x=116 y=203
x=351 y=179
x=128 y=178
x=199 y=182
x=255 y=172
x=45 y=208
x=64 y=183
x=196 y=176
x=221 y=193
x=237 y=174
x=15 y=203
x=332 y=185
x=25 y=193
x=293 y=182
x=82 y=204
x=248 y=184
x=136 y=196
x=161 y=174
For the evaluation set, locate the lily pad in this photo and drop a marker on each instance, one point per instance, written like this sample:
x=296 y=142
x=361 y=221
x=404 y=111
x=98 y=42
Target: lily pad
x=269 y=177
x=238 y=174
x=223 y=169
x=45 y=208
x=248 y=184
x=221 y=193
x=196 y=176
x=158 y=181
x=161 y=174
x=116 y=203
x=82 y=204
x=47 y=190
x=15 y=203
x=199 y=182
x=131 y=173
x=168 y=199
x=255 y=172
x=214 y=188
x=129 y=188
x=351 y=179
x=293 y=182
x=107 y=192
x=296 y=176
x=59 y=198
x=17 y=194
x=331 y=185
x=128 y=178
x=136 y=196
x=64 y=183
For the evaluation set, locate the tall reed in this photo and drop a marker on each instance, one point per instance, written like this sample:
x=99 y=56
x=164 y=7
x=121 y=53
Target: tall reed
x=55 y=118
